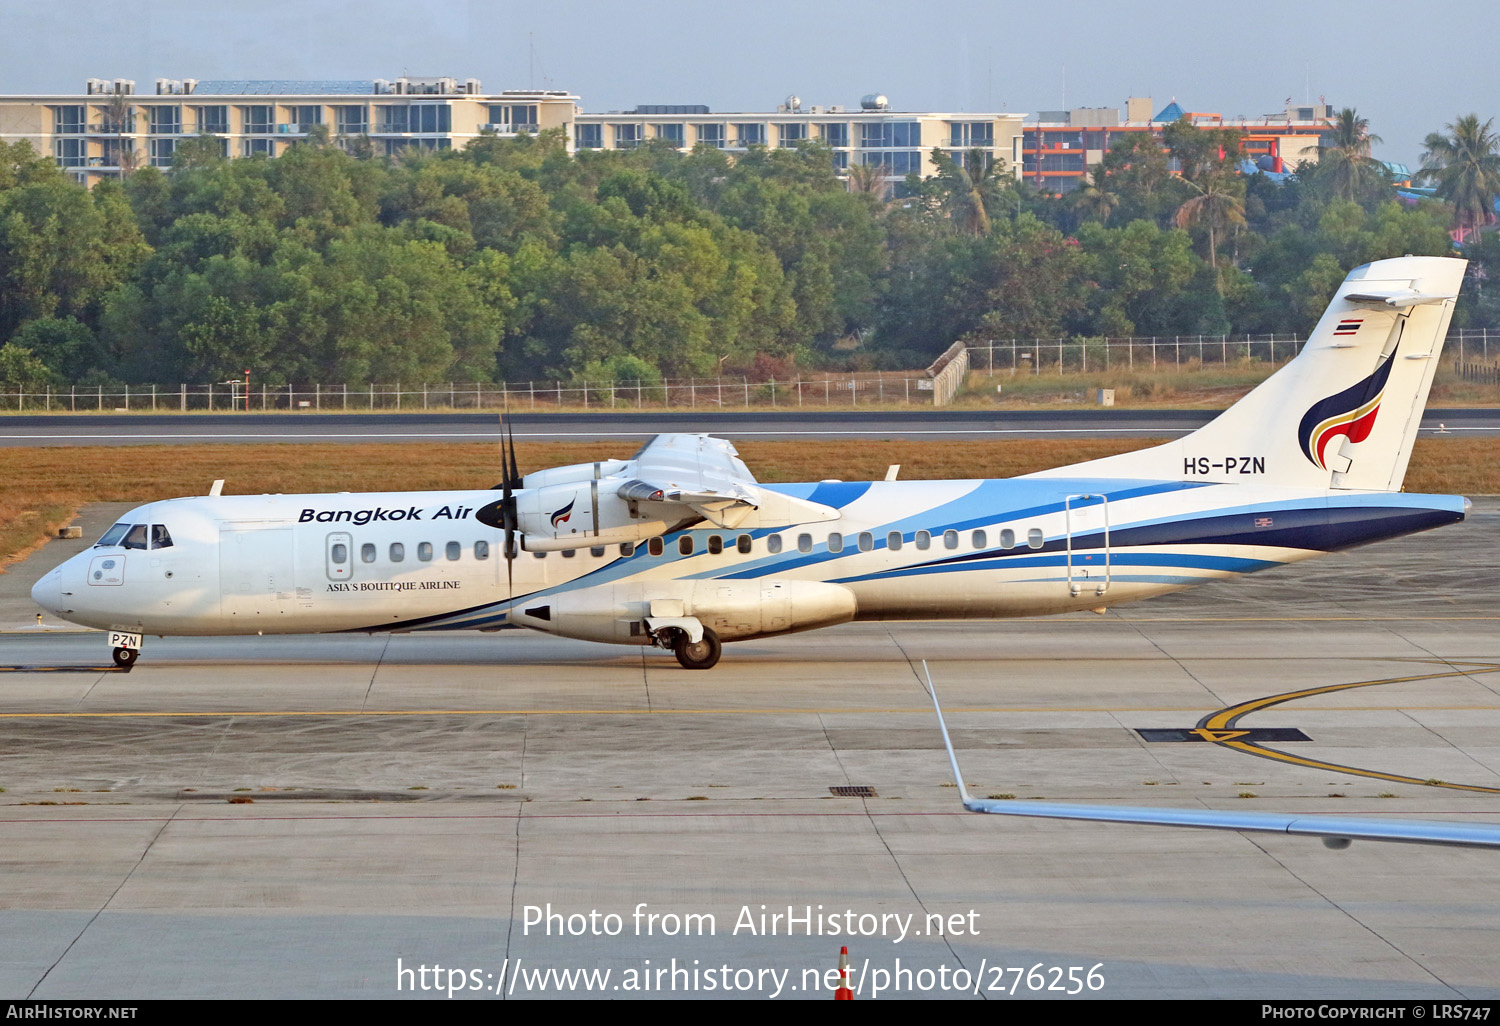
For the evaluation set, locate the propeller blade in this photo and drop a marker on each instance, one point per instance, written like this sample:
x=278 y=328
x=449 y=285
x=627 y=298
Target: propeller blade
x=508 y=507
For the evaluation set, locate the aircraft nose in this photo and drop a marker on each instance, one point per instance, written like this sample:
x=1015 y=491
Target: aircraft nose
x=47 y=593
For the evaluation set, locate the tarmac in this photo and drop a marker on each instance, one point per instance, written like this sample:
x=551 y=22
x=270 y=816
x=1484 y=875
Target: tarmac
x=334 y=816
x=527 y=425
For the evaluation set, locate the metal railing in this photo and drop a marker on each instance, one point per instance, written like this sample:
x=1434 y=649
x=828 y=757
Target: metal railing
x=1153 y=352
x=1078 y=357
x=852 y=390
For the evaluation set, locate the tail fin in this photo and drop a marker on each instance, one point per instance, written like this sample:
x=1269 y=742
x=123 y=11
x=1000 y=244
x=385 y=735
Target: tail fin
x=1344 y=413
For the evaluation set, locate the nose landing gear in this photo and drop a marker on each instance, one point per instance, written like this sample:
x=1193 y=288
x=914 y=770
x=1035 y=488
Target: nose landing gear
x=126 y=648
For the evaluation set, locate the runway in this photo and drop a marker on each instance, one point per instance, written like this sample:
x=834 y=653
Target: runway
x=436 y=428
x=288 y=817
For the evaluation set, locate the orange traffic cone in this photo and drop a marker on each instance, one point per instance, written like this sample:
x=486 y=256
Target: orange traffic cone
x=843 y=993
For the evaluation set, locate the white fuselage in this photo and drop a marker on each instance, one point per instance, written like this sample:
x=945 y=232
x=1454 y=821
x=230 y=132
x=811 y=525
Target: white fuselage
x=421 y=561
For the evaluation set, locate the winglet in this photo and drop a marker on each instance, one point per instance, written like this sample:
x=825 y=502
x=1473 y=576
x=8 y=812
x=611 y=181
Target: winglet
x=963 y=792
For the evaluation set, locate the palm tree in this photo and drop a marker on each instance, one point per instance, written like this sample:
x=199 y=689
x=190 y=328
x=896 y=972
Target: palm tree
x=1220 y=204
x=1344 y=160
x=119 y=117
x=971 y=186
x=1093 y=200
x=1465 y=165
x=868 y=178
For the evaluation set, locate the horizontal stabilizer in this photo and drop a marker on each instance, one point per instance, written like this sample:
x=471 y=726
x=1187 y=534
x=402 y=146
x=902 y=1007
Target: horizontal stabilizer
x=1399 y=298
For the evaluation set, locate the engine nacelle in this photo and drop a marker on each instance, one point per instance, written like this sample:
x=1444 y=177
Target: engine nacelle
x=574 y=473
x=577 y=515
x=735 y=610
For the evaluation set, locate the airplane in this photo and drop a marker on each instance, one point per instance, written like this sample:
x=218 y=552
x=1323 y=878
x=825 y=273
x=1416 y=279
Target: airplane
x=681 y=548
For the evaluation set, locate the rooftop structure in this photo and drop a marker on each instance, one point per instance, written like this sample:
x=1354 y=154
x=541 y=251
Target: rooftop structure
x=1059 y=147
x=110 y=128
x=900 y=143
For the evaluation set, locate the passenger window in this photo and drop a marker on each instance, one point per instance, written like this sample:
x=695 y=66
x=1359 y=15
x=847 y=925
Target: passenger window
x=804 y=543
x=715 y=545
x=893 y=540
x=685 y=545
x=160 y=538
x=569 y=553
x=950 y=539
x=980 y=539
x=654 y=546
x=1007 y=539
x=866 y=541
x=424 y=551
x=923 y=540
x=773 y=543
x=398 y=552
x=136 y=539
x=627 y=548
x=113 y=535
x=340 y=553
x=744 y=543
x=453 y=550
x=481 y=550
x=835 y=542
x=1034 y=538
x=596 y=550
x=540 y=555
x=367 y=553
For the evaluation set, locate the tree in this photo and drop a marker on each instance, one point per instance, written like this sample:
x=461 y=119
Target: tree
x=1345 y=166
x=970 y=186
x=869 y=180
x=1094 y=201
x=1465 y=164
x=119 y=117
x=1219 y=205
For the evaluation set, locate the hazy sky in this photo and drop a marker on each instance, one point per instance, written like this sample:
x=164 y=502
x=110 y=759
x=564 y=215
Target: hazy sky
x=1409 y=67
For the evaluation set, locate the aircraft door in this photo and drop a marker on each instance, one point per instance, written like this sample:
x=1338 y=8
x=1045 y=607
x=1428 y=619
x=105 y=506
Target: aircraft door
x=339 y=550
x=256 y=572
x=1087 y=525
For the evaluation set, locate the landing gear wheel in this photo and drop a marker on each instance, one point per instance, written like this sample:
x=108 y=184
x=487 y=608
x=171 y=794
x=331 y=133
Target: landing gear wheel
x=702 y=655
x=125 y=658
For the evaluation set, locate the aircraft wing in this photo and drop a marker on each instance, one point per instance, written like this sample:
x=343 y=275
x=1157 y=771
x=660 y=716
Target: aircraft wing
x=707 y=475
x=1336 y=831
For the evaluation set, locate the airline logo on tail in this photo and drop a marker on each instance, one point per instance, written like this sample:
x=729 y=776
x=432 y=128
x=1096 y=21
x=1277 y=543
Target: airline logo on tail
x=1350 y=413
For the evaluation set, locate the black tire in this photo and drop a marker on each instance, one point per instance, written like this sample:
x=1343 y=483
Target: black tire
x=702 y=656
x=125 y=658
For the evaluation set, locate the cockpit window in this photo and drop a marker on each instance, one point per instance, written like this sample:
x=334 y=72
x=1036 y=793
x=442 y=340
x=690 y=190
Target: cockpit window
x=136 y=538
x=161 y=538
x=113 y=535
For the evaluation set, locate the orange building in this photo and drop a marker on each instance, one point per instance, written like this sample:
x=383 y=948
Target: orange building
x=1058 y=147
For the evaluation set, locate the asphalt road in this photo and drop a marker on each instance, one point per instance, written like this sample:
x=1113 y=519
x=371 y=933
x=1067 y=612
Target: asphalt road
x=176 y=429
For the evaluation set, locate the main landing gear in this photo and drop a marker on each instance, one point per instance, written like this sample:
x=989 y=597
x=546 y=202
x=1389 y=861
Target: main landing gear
x=699 y=655
x=125 y=657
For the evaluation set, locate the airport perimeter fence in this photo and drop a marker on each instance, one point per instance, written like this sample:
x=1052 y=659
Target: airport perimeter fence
x=1061 y=356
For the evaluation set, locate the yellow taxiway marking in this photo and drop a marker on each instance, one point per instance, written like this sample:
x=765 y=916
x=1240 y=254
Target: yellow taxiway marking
x=1225 y=720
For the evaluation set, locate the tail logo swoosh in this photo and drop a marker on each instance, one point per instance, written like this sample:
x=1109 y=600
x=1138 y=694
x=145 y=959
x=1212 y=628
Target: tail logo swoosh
x=1350 y=413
